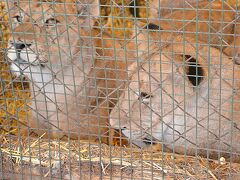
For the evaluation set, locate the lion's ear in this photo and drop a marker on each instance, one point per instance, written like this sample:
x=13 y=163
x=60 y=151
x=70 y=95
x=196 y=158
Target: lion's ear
x=89 y=10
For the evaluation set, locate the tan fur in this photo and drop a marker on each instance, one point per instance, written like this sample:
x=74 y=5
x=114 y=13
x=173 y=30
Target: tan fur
x=216 y=23
x=56 y=63
x=107 y=78
x=202 y=119
x=159 y=8
x=95 y=93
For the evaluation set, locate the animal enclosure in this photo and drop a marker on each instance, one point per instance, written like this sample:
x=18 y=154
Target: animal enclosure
x=110 y=89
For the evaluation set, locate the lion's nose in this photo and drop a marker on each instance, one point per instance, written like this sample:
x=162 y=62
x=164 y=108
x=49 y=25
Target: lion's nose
x=149 y=141
x=20 y=46
x=120 y=128
x=123 y=128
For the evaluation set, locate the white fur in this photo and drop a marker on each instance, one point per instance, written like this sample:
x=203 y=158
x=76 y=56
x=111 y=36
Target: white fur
x=178 y=114
x=55 y=73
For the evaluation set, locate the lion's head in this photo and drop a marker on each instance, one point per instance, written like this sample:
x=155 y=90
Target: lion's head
x=48 y=33
x=184 y=96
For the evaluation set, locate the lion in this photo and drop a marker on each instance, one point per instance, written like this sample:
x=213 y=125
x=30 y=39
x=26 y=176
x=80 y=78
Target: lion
x=52 y=45
x=68 y=67
x=107 y=77
x=186 y=97
x=215 y=23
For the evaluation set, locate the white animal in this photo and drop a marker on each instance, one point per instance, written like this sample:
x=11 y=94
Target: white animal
x=185 y=96
x=52 y=45
x=214 y=22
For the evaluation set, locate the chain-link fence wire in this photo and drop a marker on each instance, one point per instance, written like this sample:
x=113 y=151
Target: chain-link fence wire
x=161 y=74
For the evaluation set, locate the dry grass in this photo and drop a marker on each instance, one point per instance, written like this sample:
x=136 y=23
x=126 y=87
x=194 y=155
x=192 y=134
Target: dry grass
x=56 y=158
x=53 y=158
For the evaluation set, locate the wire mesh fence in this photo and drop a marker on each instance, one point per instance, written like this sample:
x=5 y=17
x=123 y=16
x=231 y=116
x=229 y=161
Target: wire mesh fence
x=120 y=89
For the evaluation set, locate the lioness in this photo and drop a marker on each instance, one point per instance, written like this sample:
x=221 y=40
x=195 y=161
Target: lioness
x=215 y=23
x=108 y=76
x=52 y=45
x=73 y=90
x=185 y=96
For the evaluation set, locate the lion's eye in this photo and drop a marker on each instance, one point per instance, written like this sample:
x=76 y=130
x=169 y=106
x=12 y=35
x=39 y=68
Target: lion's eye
x=153 y=27
x=18 y=18
x=51 y=22
x=144 y=97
